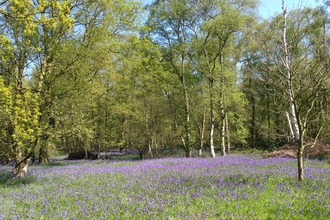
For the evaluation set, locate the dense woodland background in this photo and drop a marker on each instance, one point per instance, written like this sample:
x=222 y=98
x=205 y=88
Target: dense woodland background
x=196 y=74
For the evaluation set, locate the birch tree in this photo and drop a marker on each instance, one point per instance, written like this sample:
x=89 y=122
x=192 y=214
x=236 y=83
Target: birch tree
x=307 y=76
x=214 y=43
x=171 y=23
x=295 y=64
x=285 y=60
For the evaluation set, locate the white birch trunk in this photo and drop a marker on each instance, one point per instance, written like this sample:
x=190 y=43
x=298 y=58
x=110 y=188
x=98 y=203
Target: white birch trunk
x=211 y=138
x=298 y=134
x=200 y=151
x=291 y=136
x=222 y=110
x=289 y=79
x=212 y=119
x=223 y=124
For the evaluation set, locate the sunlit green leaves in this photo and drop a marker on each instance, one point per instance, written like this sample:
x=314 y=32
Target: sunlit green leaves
x=22 y=113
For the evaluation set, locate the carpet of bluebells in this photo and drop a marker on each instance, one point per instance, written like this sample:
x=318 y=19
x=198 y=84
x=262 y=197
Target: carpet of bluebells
x=230 y=187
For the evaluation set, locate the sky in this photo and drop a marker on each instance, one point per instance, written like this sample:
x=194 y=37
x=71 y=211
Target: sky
x=268 y=8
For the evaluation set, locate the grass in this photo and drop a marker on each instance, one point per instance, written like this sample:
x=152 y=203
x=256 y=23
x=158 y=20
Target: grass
x=231 y=187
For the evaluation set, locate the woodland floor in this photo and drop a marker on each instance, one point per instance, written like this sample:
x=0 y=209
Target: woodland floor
x=319 y=150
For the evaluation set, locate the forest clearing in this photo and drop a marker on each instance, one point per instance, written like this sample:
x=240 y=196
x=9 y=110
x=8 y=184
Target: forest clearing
x=231 y=187
x=211 y=78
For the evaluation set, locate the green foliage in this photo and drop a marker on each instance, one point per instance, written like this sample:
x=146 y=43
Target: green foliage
x=265 y=82
x=99 y=78
x=5 y=120
x=5 y=99
x=25 y=118
x=20 y=115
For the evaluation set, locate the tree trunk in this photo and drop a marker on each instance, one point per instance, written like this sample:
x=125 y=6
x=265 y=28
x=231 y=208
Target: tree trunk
x=223 y=126
x=44 y=139
x=200 y=151
x=269 y=130
x=298 y=130
x=187 y=108
x=291 y=135
x=187 y=124
x=148 y=135
x=21 y=166
x=212 y=151
x=289 y=79
x=86 y=153
x=300 y=160
x=253 y=117
x=155 y=144
x=222 y=108
x=188 y=153
x=212 y=114
x=98 y=148
x=141 y=155
x=43 y=153
x=227 y=134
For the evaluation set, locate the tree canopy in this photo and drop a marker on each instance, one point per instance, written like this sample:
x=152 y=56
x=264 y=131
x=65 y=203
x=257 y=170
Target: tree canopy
x=202 y=75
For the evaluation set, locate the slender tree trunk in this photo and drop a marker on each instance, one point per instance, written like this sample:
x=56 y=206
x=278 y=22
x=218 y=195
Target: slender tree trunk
x=223 y=125
x=187 y=123
x=86 y=152
x=278 y=122
x=98 y=131
x=148 y=138
x=253 y=117
x=291 y=134
x=289 y=79
x=300 y=159
x=155 y=142
x=200 y=151
x=227 y=134
x=222 y=109
x=212 y=114
x=269 y=132
x=297 y=128
x=98 y=148
x=187 y=108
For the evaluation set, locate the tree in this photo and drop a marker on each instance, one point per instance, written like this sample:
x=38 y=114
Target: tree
x=82 y=70
x=267 y=127
x=295 y=62
x=214 y=43
x=21 y=21
x=139 y=94
x=307 y=79
x=51 y=42
x=20 y=114
x=171 y=23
